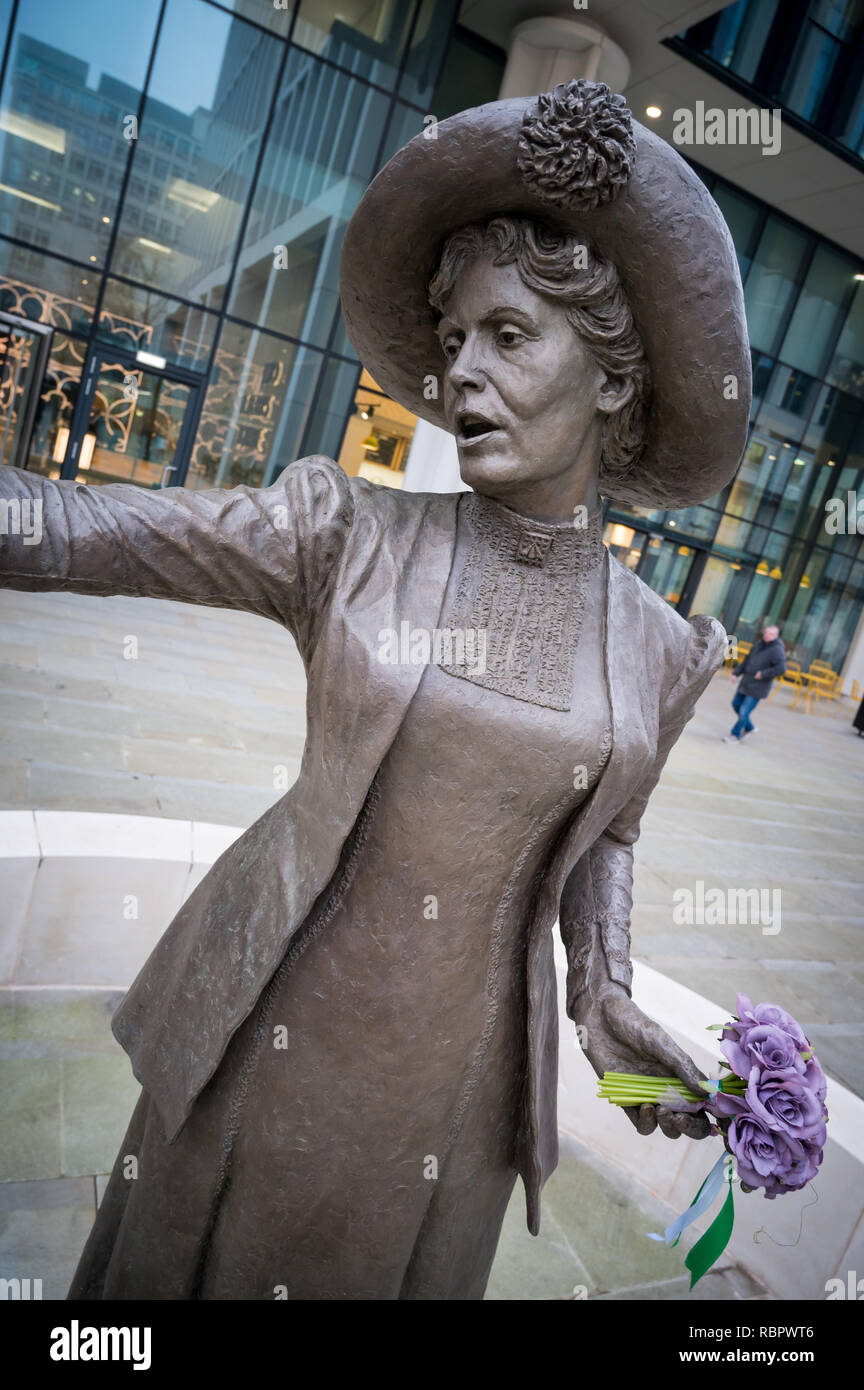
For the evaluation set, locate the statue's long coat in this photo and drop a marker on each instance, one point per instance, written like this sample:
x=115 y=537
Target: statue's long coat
x=337 y=561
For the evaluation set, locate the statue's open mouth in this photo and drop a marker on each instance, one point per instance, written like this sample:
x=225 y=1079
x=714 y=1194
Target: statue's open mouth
x=472 y=427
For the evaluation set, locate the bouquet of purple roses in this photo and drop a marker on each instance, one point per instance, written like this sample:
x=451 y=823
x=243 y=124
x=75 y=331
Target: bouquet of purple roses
x=776 y=1128
x=769 y=1108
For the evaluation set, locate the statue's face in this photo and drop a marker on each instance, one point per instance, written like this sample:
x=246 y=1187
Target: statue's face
x=521 y=391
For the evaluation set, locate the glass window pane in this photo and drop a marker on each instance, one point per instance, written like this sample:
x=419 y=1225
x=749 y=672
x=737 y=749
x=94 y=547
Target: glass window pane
x=738 y=35
x=272 y=14
x=320 y=155
x=378 y=436
x=132 y=434
x=75 y=74
x=760 y=606
x=141 y=320
x=846 y=540
x=255 y=410
x=838 y=638
x=624 y=543
x=326 y=424
x=847 y=364
x=664 y=568
x=365 y=36
x=743 y=216
x=714 y=587
x=471 y=76
x=56 y=405
x=839 y=17
x=746 y=494
x=762 y=369
x=340 y=342
x=772 y=280
x=788 y=401
x=807 y=586
x=822 y=606
x=179 y=224
x=423 y=63
x=45 y=289
x=821 y=304
x=405 y=123
x=698 y=521
x=810 y=72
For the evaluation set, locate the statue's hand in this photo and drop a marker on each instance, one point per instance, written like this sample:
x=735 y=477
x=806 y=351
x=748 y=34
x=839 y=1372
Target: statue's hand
x=619 y=1037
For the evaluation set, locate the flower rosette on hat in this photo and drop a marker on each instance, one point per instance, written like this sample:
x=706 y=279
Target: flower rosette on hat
x=769 y=1109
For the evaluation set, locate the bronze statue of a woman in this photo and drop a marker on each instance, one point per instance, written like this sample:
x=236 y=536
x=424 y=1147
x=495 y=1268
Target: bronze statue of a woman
x=347 y=1038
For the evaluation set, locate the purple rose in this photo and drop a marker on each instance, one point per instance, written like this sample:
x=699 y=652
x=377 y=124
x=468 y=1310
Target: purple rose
x=768 y=1159
x=761 y=1155
x=784 y=1102
x=815 y=1078
x=765 y=1045
x=750 y=1017
x=766 y=1036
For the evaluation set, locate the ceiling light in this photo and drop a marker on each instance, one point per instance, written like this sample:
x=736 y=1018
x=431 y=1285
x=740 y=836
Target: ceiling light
x=653 y=112
x=154 y=245
x=29 y=197
x=192 y=195
x=51 y=137
x=622 y=535
x=150 y=359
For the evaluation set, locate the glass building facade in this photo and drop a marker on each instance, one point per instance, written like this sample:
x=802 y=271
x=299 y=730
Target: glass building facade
x=804 y=56
x=765 y=548
x=175 y=180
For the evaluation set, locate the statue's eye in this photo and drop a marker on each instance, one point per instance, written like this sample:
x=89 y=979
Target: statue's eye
x=510 y=337
x=451 y=346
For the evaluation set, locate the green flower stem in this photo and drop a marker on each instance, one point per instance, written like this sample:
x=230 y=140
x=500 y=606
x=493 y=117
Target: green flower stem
x=630 y=1088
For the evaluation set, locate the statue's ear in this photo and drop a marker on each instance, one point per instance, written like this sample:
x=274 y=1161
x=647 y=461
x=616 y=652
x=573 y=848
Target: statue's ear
x=615 y=392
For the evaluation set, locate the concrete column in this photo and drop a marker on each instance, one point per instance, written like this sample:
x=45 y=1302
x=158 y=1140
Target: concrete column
x=546 y=51
x=853 y=666
x=433 y=463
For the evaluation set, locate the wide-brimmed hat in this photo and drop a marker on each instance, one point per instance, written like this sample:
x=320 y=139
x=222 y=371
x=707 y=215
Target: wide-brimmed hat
x=575 y=159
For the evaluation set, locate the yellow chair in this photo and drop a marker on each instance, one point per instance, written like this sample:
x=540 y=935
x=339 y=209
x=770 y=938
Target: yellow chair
x=791 y=678
x=812 y=682
x=741 y=649
x=836 y=696
x=830 y=691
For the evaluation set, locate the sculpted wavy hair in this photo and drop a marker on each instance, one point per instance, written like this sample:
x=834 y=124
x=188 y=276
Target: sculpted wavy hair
x=596 y=307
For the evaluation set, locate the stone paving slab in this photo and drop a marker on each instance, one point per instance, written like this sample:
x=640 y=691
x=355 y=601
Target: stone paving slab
x=43 y=1227
x=593 y=1243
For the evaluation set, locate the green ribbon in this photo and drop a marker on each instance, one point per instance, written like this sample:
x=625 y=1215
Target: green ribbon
x=710 y=1246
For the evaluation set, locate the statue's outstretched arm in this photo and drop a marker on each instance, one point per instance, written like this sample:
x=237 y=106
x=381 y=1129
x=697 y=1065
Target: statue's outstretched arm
x=271 y=551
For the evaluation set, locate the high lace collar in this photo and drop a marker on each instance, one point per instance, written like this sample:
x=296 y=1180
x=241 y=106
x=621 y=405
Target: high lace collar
x=561 y=545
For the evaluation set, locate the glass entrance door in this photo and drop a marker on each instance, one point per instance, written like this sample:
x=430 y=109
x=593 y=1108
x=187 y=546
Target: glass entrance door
x=24 y=349
x=134 y=425
x=665 y=567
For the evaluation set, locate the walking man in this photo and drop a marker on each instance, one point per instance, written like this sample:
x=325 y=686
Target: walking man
x=765 y=661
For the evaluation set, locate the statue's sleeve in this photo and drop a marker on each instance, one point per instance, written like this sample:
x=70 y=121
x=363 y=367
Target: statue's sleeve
x=597 y=899
x=272 y=551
